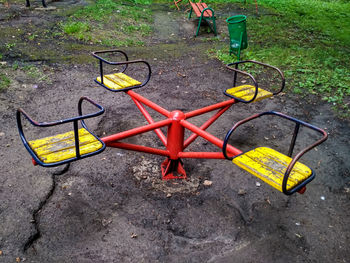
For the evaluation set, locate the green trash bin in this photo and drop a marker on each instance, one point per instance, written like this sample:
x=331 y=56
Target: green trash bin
x=238 y=34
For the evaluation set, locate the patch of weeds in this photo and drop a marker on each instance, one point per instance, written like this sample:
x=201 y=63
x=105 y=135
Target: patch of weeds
x=300 y=38
x=141 y=2
x=15 y=66
x=110 y=23
x=210 y=39
x=297 y=90
x=57 y=34
x=80 y=30
x=32 y=36
x=1 y=56
x=4 y=82
x=99 y=11
x=142 y=29
x=36 y=74
x=74 y=27
x=222 y=55
x=10 y=46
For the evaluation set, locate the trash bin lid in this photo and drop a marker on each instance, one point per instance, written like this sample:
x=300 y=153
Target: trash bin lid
x=236 y=19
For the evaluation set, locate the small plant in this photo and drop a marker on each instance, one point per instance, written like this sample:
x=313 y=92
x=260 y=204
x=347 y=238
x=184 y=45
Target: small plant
x=10 y=46
x=74 y=27
x=111 y=23
x=4 y=82
x=32 y=36
x=15 y=66
x=36 y=74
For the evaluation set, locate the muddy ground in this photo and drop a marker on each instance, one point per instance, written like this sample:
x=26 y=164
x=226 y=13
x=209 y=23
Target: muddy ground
x=114 y=207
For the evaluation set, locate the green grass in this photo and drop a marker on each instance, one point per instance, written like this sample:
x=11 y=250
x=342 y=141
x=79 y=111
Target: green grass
x=308 y=39
x=4 y=82
x=34 y=73
x=111 y=23
x=74 y=27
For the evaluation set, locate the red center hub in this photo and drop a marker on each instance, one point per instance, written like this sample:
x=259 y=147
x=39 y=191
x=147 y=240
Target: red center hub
x=172 y=167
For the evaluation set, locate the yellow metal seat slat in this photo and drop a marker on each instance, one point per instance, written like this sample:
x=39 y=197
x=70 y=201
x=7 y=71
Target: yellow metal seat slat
x=246 y=92
x=62 y=146
x=270 y=166
x=118 y=81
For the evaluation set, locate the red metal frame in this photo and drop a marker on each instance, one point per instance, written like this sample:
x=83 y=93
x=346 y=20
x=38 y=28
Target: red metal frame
x=174 y=142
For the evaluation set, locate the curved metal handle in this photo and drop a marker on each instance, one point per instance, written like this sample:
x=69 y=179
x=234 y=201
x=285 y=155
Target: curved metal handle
x=297 y=156
x=236 y=70
x=108 y=51
x=125 y=63
x=302 y=152
x=49 y=124
x=208 y=8
x=229 y=133
x=75 y=120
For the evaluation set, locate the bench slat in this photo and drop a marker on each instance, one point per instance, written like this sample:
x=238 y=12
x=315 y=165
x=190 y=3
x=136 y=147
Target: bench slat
x=198 y=8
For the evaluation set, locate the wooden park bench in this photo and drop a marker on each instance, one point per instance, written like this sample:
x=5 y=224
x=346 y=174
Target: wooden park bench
x=203 y=12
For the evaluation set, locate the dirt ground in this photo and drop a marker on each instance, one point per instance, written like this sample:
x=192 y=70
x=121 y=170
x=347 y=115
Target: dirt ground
x=114 y=207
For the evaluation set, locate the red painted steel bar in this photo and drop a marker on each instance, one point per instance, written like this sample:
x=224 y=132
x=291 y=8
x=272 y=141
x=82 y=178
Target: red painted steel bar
x=209 y=137
x=135 y=131
x=149 y=103
x=209 y=108
x=209 y=122
x=138 y=148
x=150 y=120
x=202 y=155
x=176 y=134
x=174 y=141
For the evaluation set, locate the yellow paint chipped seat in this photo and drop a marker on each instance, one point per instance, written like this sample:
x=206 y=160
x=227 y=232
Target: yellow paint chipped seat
x=118 y=81
x=282 y=172
x=61 y=147
x=270 y=166
x=247 y=92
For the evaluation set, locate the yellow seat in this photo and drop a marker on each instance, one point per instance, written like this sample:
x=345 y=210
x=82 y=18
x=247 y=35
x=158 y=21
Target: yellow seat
x=270 y=166
x=246 y=93
x=62 y=146
x=118 y=81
